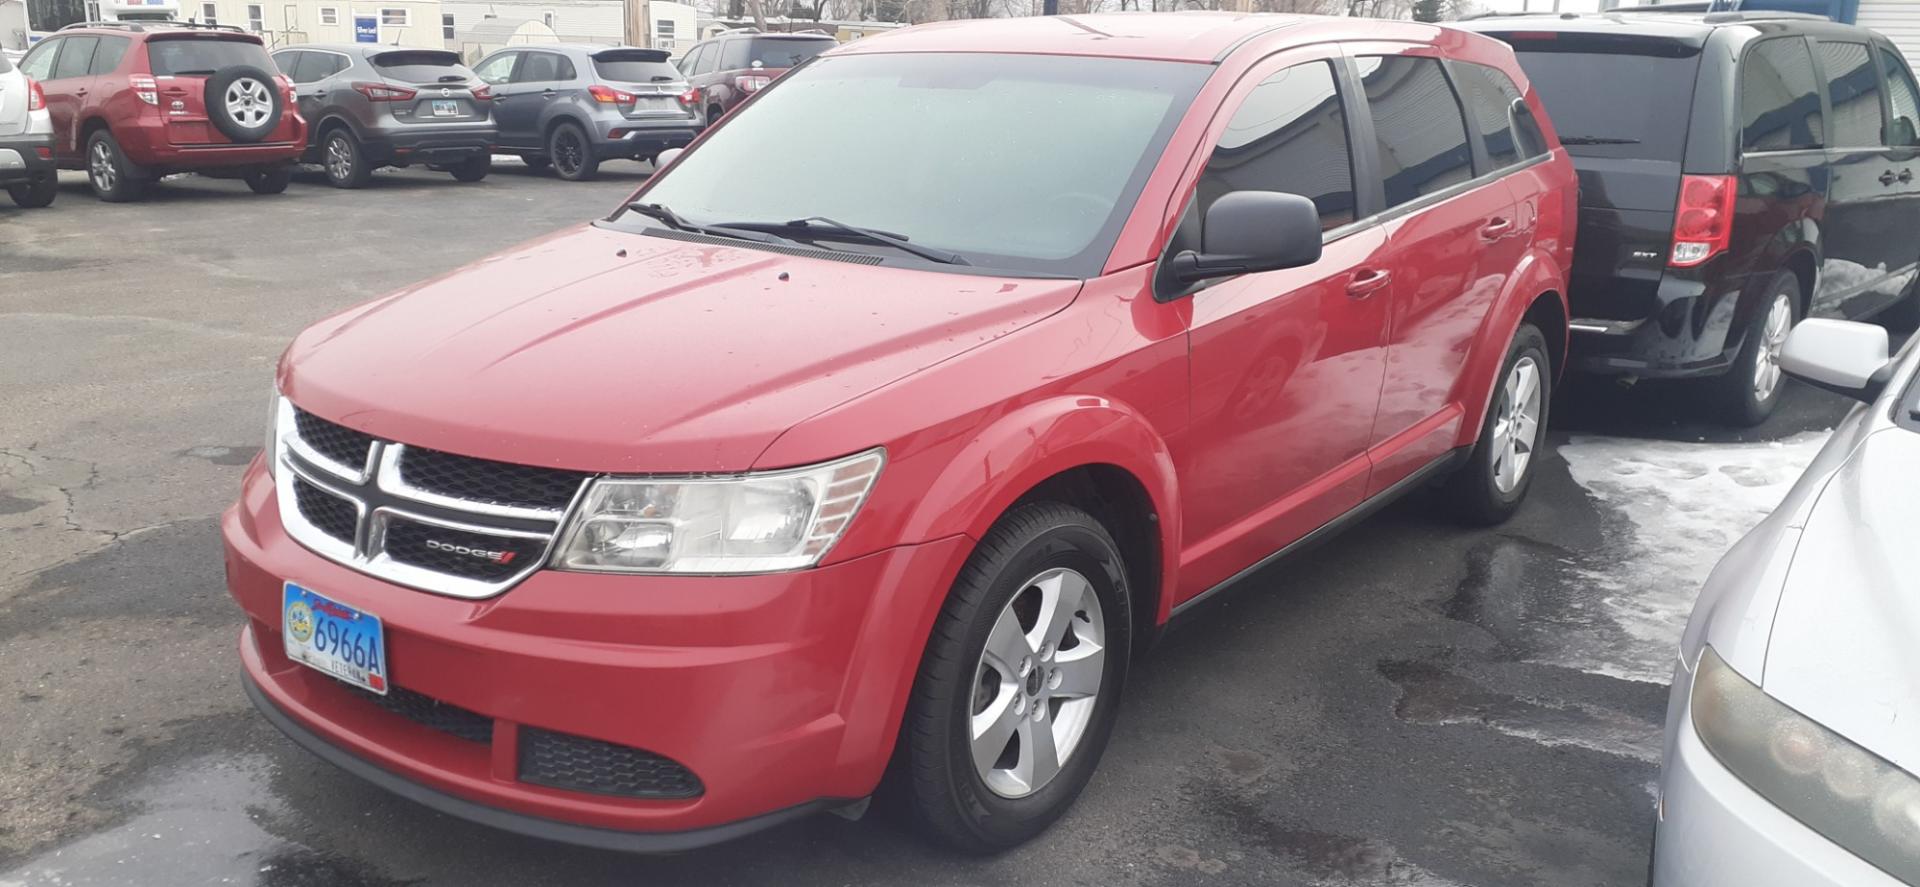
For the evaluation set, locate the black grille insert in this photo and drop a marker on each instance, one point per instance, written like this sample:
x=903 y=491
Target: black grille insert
x=575 y=763
x=337 y=442
x=481 y=556
x=328 y=513
x=484 y=480
x=430 y=712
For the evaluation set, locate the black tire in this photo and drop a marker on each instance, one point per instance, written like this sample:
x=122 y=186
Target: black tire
x=537 y=163
x=1737 y=395
x=112 y=177
x=36 y=193
x=1904 y=315
x=243 y=102
x=1480 y=493
x=951 y=799
x=473 y=168
x=271 y=180
x=344 y=160
x=572 y=153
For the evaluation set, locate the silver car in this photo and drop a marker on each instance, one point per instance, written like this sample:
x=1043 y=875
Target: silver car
x=369 y=106
x=1793 y=730
x=571 y=107
x=26 y=140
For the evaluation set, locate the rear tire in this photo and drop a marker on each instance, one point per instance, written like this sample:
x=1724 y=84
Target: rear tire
x=572 y=153
x=1512 y=436
x=1020 y=683
x=269 y=181
x=111 y=175
x=473 y=168
x=36 y=193
x=1904 y=315
x=1747 y=394
x=345 y=161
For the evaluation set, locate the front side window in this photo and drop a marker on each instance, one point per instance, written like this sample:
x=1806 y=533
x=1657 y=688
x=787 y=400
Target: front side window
x=497 y=69
x=1779 y=97
x=1853 y=90
x=1018 y=163
x=1904 y=130
x=1417 y=124
x=39 y=63
x=75 y=58
x=107 y=56
x=1289 y=135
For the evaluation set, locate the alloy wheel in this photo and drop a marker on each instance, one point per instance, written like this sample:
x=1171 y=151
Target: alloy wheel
x=1516 y=424
x=248 y=102
x=1037 y=683
x=339 y=158
x=1773 y=338
x=568 y=152
x=100 y=167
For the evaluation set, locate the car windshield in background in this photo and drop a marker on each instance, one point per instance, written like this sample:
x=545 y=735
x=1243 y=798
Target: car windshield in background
x=772 y=52
x=1648 y=120
x=420 y=66
x=204 y=55
x=651 y=67
x=1019 y=163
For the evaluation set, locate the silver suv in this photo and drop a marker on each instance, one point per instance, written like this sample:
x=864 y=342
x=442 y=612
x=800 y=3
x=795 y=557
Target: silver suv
x=26 y=139
x=369 y=106
x=571 y=107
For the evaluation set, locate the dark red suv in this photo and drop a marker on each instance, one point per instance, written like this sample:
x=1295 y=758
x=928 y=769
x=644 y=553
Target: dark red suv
x=132 y=102
x=667 y=528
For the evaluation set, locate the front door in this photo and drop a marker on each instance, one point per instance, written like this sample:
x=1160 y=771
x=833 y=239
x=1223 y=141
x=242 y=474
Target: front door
x=1286 y=365
x=516 y=110
x=61 y=65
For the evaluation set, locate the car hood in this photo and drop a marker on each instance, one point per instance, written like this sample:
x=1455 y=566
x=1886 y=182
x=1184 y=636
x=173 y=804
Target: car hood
x=1843 y=649
x=606 y=350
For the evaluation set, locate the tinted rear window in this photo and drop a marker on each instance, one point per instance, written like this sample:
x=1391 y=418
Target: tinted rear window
x=1645 y=120
x=771 y=52
x=203 y=55
x=634 y=68
x=422 y=66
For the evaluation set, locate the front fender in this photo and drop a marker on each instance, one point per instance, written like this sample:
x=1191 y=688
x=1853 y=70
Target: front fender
x=1538 y=273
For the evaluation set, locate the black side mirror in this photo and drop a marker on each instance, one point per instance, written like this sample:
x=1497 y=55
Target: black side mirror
x=1249 y=231
x=1903 y=132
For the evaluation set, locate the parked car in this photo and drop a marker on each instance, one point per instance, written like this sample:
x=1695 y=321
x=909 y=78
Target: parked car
x=370 y=106
x=661 y=530
x=733 y=66
x=570 y=107
x=26 y=140
x=1793 y=731
x=1778 y=185
x=132 y=102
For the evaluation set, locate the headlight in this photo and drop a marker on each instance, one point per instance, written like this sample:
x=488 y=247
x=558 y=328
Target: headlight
x=751 y=523
x=1836 y=788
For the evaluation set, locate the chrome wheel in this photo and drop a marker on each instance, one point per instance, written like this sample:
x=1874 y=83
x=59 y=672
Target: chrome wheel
x=1037 y=683
x=339 y=158
x=248 y=102
x=1773 y=337
x=1516 y=424
x=100 y=167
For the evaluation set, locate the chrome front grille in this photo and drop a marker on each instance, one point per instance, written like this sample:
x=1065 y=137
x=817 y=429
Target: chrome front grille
x=435 y=521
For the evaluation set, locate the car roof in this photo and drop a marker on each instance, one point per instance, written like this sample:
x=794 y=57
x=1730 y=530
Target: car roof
x=1195 y=36
x=139 y=30
x=1690 y=27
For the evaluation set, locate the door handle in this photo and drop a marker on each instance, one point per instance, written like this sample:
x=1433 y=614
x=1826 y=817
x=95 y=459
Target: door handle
x=1495 y=228
x=1906 y=175
x=1367 y=282
x=1888 y=178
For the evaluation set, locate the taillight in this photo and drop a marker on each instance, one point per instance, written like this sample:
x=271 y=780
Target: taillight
x=691 y=98
x=607 y=95
x=286 y=87
x=752 y=82
x=145 y=87
x=483 y=92
x=36 y=97
x=382 y=92
x=1703 y=220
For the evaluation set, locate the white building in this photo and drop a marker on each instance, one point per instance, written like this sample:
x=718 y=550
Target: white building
x=574 y=21
x=415 y=23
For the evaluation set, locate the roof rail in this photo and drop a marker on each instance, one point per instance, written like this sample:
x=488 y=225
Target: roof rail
x=205 y=26
x=121 y=26
x=746 y=30
x=1758 y=15
x=140 y=27
x=1538 y=12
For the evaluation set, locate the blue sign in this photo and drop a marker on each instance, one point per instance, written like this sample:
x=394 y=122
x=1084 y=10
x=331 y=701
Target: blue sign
x=366 y=29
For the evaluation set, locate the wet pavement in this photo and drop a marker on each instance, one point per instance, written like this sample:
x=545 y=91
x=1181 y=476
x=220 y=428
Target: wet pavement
x=1410 y=704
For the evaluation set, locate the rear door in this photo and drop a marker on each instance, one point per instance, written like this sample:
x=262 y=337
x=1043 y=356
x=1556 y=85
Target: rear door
x=654 y=85
x=1872 y=220
x=442 y=87
x=1903 y=142
x=183 y=62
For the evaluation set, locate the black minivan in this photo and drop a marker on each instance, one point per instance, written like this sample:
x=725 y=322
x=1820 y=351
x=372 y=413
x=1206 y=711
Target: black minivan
x=1738 y=171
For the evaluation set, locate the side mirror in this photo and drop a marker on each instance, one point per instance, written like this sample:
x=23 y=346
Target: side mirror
x=661 y=160
x=1248 y=231
x=1841 y=356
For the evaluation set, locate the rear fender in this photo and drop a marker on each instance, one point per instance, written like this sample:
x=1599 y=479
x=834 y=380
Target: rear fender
x=1538 y=273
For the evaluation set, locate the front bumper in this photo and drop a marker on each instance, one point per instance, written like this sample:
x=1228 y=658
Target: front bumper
x=25 y=158
x=1717 y=832
x=781 y=693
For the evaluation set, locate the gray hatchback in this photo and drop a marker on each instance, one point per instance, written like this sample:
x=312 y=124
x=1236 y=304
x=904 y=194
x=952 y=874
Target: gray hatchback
x=369 y=106
x=570 y=107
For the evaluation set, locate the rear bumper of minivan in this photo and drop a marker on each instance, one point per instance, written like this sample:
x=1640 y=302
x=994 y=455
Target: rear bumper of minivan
x=25 y=157
x=1691 y=329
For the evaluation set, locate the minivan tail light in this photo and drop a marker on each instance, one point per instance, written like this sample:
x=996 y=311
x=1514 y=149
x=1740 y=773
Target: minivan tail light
x=381 y=92
x=145 y=87
x=36 y=97
x=607 y=95
x=1703 y=220
x=752 y=82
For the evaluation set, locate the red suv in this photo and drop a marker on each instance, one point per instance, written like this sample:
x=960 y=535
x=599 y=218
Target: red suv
x=132 y=102
x=664 y=529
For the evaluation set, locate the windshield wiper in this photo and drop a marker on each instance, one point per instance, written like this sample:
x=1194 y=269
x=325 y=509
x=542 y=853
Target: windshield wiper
x=1596 y=140
x=660 y=213
x=814 y=225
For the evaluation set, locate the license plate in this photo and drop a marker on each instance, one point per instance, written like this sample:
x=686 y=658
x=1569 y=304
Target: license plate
x=334 y=638
x=446 y=109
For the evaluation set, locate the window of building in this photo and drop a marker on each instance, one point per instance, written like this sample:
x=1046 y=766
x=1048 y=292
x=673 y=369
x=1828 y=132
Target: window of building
x=256 y=18
x=396 y=17
x=546 y=18
x=1779 y=97
x=1289 y=134
x=1417 y=124
x=663 y=31
x=210 y=13
x=446 y=26
x=329 y=15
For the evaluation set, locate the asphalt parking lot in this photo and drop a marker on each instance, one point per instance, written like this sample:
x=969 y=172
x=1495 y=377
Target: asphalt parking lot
x=1412 y=704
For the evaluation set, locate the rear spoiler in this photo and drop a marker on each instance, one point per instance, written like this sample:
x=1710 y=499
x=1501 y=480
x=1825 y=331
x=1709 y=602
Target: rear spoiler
x=437 y=56
x=631 y=54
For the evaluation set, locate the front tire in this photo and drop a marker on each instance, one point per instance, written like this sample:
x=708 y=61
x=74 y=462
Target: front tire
x=473 y=168
x=269 y=181
x=1748 y=393
x=345 y=161
x=1020 y=684
x=1512 y=436
x=110 y=174
x=572 y=153
x=35 y=194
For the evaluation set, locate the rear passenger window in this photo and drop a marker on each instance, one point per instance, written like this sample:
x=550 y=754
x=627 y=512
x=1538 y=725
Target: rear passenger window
x=542 y=67
x=1289 y=135
x=1418 y=125
x=1853 y=89
x=1779 y=98
x=107 y=56
x=1492 y=99
x=314 y=67
x=1904 y=130
x=75 y=57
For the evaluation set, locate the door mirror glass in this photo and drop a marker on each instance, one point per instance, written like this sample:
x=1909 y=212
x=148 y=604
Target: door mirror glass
x=1249 y=231
x=665 y=157
x=1842 y=356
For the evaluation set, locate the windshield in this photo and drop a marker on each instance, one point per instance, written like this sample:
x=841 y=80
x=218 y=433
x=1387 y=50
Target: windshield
x=772 y=52
x=203 y=55
x=1020 y=163
x=424 y=66
x=1650 y=126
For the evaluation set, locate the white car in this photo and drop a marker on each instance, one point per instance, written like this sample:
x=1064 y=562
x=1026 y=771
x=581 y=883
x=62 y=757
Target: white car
x=26 y=140
x=1793 y=731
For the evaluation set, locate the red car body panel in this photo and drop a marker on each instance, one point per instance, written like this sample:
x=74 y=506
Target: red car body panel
x=1245 y=419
